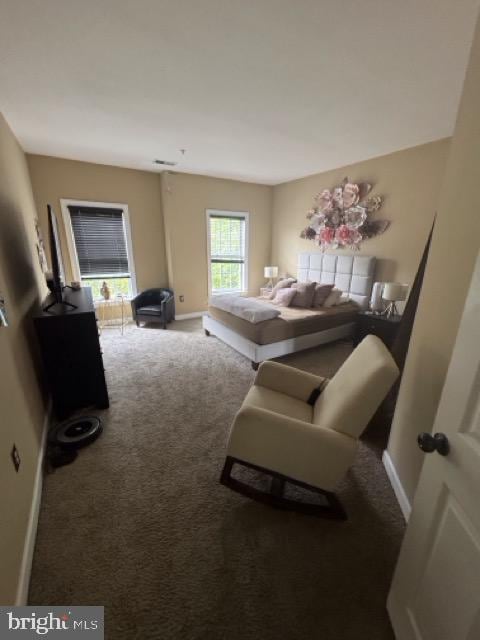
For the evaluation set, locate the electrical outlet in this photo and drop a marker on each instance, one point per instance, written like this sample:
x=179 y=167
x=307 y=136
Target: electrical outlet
x=15 y=457
x=181 y=298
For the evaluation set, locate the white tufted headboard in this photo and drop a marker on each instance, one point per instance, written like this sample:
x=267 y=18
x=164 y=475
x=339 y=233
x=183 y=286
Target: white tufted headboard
x=351 y=274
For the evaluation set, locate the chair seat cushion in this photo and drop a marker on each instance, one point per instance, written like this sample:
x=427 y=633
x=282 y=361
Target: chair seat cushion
x=150 y=310
x=265 y=398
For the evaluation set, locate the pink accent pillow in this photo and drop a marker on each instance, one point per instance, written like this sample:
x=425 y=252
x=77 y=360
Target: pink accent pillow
x=281 y=284
x=304 y=294
x=284 y=297
x=322 y=292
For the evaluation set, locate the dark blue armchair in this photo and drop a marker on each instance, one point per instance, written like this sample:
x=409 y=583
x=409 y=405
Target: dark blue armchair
x=154 y=305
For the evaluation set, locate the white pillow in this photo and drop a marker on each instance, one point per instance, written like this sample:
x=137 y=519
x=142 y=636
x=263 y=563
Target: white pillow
x=333 y=298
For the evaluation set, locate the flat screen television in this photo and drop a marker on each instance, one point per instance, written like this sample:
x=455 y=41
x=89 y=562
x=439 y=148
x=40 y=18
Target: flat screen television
x=57 y=280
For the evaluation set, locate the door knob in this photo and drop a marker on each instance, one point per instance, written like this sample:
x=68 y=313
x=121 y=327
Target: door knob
x=438 y=442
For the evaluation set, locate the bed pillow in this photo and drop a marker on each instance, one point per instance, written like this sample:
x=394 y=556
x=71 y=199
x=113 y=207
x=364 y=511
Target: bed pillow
x=322 y=292
x=284 y=297
x=304 y=294
x=333 y=298
x=281 y=284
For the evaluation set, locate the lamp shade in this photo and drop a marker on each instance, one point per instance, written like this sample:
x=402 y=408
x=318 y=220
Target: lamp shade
x=394 y=291
x=270 y=272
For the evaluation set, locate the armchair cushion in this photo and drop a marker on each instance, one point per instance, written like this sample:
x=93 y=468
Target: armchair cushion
x=265 y=398
x=152 y=309
x=297 y=449
x=357 y=389
x=292 y=382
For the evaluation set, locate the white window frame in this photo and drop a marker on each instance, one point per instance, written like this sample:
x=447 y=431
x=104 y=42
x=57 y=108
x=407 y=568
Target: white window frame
x=231 y=214
x=72 y=249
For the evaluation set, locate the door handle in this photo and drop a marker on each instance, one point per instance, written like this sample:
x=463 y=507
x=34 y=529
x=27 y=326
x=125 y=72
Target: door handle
x=438 y=442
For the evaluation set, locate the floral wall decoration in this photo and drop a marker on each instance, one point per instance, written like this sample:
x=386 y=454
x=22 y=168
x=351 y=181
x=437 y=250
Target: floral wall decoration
x=341 y=218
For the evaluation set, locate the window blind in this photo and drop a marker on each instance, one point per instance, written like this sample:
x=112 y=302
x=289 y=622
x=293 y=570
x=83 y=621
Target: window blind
x=227 y=239
x=227 y=252
x=99 y=235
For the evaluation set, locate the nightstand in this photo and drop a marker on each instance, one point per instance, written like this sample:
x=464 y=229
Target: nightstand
x=385 y=328
x=265 y=292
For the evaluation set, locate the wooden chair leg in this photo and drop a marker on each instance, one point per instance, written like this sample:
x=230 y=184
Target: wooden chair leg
x=333 y=508
x=227 y=470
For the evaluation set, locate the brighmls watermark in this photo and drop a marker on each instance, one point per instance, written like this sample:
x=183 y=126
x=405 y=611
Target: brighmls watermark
x=51 y=622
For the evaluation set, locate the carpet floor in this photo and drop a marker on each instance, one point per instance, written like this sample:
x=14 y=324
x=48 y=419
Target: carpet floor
x=139 y=523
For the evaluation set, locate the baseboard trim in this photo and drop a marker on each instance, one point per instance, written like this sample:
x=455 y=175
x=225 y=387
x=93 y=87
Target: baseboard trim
x=186 y=316
x=31 y=534
x=397 y=486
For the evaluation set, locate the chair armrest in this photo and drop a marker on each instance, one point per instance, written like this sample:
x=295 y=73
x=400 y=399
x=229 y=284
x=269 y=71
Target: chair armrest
x=169 y=307
x=167 y=301
x=136 y=301
x=135 y=304
x=293 y=382
x=300 y=450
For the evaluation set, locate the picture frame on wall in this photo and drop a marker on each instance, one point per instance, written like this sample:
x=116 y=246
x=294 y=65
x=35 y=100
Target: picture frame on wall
x=3 y=313
x=42 y=257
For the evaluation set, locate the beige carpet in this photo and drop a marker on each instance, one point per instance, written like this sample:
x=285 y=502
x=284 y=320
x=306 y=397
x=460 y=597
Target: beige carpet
x=140 y=524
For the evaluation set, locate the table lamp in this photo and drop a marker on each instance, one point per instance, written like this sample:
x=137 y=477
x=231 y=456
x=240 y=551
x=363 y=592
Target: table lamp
x=270 y=272
x=394 y=292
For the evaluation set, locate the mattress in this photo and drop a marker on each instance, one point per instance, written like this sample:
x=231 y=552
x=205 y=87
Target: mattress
x=292 y=322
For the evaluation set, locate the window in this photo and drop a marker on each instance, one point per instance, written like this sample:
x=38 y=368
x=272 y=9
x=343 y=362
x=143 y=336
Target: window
x=227 y=245
x=99 y=241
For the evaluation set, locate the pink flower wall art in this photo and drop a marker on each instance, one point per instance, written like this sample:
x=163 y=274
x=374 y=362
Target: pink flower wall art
x=341 y=217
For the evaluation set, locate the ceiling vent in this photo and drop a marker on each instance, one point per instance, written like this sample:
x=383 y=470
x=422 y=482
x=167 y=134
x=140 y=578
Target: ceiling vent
x=167 y=163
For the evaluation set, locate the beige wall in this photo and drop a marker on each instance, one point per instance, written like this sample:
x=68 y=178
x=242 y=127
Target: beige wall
x=409 y=181
x=186 y=198
x=172 y=247
x=455 y=245
x=56 y=178
x=23 y=410
x=179 y=240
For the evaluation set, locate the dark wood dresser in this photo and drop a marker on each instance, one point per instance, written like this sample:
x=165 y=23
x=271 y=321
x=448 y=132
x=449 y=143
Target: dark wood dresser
x=71 y=354
x=381 y=326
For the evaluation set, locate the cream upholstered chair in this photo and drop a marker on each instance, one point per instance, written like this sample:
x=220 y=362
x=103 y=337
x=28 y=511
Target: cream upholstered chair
x=301 y=428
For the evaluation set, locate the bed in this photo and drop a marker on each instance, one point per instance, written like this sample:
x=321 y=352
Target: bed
x=297 y=329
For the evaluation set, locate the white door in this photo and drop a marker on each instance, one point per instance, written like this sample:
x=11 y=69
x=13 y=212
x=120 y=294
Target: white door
x=435 y=594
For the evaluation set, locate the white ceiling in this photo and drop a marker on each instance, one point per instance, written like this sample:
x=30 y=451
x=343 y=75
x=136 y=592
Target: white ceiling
x=260 y=90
